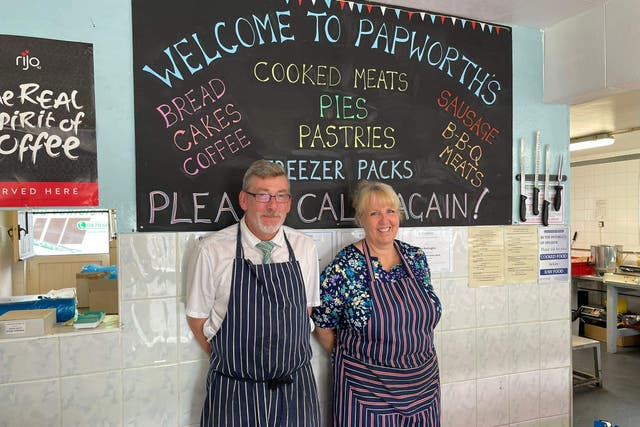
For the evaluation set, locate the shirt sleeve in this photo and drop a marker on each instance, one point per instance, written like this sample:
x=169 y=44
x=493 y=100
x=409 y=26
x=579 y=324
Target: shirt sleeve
x=200 y=290
x=311 y=275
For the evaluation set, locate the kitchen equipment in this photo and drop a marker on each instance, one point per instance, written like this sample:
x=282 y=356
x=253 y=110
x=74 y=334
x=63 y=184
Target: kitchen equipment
x=545 y=195
x=557 y=200
x=606 y=258
x=593 y=314
x=628 y=278
x=523 y=197
x=619 y=255
x=630 y=319
x=629 y=269
x=536 y=177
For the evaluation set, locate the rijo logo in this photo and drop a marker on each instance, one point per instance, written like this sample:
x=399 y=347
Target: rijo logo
x=25 y=61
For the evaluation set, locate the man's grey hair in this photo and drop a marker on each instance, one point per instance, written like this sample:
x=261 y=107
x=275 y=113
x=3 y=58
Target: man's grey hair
x=262 y=169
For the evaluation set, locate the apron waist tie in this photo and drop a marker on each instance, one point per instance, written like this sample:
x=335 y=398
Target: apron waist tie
x=272 y=384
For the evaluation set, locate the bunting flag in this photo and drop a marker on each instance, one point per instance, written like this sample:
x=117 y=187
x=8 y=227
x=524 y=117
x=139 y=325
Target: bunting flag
x=443 y=18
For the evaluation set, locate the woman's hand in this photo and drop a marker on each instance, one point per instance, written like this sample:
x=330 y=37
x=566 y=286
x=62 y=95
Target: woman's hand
x=326 y=337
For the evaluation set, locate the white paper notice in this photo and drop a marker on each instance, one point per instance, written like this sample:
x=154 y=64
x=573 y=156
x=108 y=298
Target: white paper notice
x=486 y=256
x=324 y=243
x=554 y=254
x=436 y=244
x=521 y=248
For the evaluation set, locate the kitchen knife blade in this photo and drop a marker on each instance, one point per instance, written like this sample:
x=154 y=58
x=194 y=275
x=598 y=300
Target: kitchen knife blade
x=545 y=196
x=557 y=200
x=523 y=197
x=536 y=171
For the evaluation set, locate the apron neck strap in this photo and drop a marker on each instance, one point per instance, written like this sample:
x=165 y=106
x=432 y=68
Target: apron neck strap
x=367 y=257
x=240 y=250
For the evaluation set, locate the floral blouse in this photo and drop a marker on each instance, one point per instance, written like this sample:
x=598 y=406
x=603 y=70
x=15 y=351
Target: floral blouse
x=344 y=285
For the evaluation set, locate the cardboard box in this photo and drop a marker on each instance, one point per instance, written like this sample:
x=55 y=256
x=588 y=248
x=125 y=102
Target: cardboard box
x=27 y=323
x=103 y=293
x=82 y=292
x=599 y=333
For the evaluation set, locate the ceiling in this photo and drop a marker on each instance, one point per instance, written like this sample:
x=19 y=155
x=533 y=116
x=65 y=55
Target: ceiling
x=617 y=113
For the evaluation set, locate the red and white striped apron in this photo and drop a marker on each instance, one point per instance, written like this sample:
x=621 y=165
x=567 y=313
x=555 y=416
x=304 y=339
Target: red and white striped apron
x=386 y=373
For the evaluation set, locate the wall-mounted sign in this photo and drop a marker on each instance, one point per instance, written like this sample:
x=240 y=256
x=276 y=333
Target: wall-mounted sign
x=47 y=123
x=336 y=92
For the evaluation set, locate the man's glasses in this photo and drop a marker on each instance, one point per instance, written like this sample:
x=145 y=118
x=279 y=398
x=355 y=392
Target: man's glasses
x=266 y=197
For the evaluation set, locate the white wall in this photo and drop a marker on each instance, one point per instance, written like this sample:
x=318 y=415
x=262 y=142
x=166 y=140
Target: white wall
x=607 y=192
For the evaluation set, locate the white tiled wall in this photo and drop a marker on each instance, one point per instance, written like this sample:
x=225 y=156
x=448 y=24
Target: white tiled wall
x=504 y=352
x=607 y=192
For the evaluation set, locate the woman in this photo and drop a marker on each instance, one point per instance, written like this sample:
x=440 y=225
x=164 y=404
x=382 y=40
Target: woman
x=378 y=314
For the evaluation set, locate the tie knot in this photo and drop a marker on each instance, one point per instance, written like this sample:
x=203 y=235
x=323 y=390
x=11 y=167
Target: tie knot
x=266 y=247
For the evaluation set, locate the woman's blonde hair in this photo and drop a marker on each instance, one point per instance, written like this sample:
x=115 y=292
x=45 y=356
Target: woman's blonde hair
x=366 y=190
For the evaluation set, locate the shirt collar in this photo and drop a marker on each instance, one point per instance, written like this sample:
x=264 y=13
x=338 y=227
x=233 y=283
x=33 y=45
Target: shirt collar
x=252 y=240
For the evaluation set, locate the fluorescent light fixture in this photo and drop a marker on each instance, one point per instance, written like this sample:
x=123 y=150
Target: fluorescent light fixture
x=592 y=141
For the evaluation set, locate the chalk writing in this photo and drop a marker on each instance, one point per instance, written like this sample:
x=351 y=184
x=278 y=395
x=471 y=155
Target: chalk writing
x=467 y=116
x=303 y=74
x=212 y=134
x=335 y=93
x=273 y=27
x=447 y=59
x=454 y=156
x=372 y=78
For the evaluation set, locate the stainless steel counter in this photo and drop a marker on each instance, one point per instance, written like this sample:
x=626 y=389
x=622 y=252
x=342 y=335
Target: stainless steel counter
x=613 y=286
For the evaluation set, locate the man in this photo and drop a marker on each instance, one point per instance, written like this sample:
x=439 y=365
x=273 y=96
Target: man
x=249 y=309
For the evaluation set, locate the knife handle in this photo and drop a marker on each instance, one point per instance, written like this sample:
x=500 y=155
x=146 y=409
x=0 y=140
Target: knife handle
x=536 y=198
x=523 y=208
x=557 y=200
x=545 y=212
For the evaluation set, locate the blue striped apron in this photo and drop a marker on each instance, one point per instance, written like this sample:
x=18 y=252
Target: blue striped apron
x=386 y=373
x=259 y=372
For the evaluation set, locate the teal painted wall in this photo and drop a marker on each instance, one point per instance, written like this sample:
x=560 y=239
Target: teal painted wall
x=107 y=24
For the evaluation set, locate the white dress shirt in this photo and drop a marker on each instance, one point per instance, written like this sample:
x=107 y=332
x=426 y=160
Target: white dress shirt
x=209 y=272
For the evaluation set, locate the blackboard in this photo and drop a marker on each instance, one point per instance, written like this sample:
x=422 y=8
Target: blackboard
x=336 y=92
x=48 y=153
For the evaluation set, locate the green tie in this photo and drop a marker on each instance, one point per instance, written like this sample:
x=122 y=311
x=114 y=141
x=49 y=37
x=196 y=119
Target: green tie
x=266 y=248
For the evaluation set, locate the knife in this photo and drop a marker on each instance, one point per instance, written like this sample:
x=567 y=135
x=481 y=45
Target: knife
x=557 y=200
x=523 y=197
x=536 y=190
x=545 y=201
